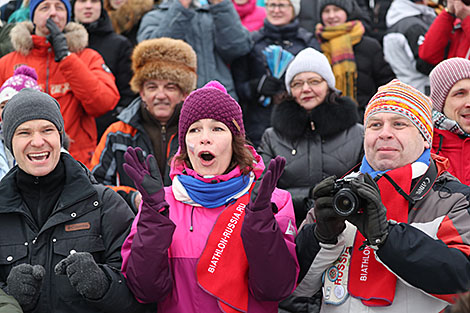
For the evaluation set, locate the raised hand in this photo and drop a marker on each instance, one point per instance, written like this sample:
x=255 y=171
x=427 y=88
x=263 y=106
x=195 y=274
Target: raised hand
x=24 y=284
x=268 y=183
x=57 y=40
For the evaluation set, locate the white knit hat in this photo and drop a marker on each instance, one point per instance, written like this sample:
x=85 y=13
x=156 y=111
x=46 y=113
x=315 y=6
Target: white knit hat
x=310 y=60
x=296 y=5
x=444 y=76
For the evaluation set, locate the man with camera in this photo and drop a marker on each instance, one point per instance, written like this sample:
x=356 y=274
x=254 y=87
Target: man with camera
x=395 y=236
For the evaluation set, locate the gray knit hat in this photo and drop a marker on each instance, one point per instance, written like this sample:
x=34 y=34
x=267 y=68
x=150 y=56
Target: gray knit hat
x=310 y=60
x=346 y=5
x=27 y=105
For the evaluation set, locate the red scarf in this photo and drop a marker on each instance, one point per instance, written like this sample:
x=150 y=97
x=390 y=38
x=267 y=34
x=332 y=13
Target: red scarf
x=369 y=280
x=222 y=270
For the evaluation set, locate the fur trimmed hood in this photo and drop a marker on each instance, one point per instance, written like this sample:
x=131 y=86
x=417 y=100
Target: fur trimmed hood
x=22 y=40
x=329 y=118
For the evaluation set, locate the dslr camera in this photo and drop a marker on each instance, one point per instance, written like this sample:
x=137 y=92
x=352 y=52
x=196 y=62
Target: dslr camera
x=345 y=200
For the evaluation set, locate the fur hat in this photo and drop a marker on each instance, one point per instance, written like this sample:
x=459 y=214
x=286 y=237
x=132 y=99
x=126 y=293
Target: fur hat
x=23 y=77
x=211 y=101
x=444 y=76
x=310 y=60
x=400 y=98
x=27 y=105
x=33 y=4
x=166 y=59
x=346 y=5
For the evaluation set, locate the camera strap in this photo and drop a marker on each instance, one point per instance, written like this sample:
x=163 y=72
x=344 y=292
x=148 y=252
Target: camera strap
x=421 y=188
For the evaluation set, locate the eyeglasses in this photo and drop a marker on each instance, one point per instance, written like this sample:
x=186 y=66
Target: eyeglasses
x=312 y=82
x=280 y=6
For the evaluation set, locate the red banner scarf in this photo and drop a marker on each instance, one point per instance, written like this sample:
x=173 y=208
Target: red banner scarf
x=222 y=269
x=369 y=280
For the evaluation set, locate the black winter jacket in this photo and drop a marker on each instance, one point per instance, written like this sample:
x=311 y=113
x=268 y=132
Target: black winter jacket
x=253 y=66
x=87 y=218
x=116 y=51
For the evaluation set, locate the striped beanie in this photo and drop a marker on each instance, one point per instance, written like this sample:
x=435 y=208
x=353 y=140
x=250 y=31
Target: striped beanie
x=400 y=98
x=444 y=76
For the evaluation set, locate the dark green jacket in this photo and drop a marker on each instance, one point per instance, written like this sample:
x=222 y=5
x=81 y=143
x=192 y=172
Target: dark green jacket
x=8 y=304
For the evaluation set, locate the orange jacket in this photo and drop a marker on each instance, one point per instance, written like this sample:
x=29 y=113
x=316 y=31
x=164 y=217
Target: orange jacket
x=81 y=82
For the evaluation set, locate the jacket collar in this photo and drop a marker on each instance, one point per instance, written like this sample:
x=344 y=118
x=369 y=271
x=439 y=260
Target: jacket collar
x=329 y=118
x=23 y=39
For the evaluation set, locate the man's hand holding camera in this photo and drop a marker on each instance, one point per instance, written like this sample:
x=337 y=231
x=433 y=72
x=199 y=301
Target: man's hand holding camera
x=372 y=220
x=328 y=223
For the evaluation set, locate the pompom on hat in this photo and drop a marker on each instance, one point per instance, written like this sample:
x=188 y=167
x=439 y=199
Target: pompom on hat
x=444 y=76
x=23 y=77
x=165 y=59
x=400 y=98
x=211 y=101
x=310 y=60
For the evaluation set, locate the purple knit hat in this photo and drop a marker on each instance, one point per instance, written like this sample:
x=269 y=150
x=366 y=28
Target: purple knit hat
x=211 y=101
x=23 y=77
x=444 y=76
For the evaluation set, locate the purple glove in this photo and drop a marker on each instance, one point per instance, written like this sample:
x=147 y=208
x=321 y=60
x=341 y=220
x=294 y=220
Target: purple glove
x=268 y=183
x=146 y=177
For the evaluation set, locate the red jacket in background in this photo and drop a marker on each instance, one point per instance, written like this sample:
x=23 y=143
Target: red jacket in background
x=81 y=82
x=438 y=36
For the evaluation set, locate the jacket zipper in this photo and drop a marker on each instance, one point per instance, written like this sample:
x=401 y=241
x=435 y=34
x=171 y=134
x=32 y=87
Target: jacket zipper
x=191 y=228
x=47 y=70
x=163 y=147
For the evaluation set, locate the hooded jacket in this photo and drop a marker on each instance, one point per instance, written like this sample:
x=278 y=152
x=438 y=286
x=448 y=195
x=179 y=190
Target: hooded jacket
x=108 y=158
x=408 y=22
x=81 y=82
x=151 y=250
x=448 y=37
x=333 y=147
x=429 y=254
x=213 y=31
x=87 y=217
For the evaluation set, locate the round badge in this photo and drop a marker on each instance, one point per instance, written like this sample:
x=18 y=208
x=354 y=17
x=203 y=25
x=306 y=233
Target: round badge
x=333 y=273
x=339 y=292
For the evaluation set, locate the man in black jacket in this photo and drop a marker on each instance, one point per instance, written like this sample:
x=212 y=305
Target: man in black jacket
x=60 y=232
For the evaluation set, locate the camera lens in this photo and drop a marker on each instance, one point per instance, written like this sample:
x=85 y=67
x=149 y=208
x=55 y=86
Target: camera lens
x=345 y=202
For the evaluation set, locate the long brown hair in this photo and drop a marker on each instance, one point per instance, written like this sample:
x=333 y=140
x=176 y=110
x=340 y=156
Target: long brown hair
x=241 y=156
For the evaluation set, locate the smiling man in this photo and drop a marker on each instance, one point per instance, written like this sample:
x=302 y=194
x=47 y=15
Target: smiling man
x=60 y=232
x=76 y=76
x=405 y=246
x=164 y=74
x=450 y=95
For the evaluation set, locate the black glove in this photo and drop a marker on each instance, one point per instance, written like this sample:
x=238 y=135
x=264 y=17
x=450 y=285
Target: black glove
x=57 y=40
x=269 y=86
x=268 y=183
x=146 y=177
x=372 y=222
x=24 y=284
x=84 y=275
x=328 y=224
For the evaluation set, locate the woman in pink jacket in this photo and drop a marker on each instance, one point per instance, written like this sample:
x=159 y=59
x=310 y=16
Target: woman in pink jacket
x=202 y=245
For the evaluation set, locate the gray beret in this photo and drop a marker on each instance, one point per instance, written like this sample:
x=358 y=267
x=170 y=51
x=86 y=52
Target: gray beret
x=27 y=105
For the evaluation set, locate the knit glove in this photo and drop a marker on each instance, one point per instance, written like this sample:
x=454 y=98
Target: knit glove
x=146 y=177
x=84 y=275
x=269 y=85
x=267 y=185
x=24 y=284
x=328 y=224
x=57 y=40
x=372 y=222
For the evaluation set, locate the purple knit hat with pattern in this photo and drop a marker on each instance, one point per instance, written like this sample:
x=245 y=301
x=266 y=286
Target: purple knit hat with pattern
x=211 y=101
x=444 y=76
x=23 y=77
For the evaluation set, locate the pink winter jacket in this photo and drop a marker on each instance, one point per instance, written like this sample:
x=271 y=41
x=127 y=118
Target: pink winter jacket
x=160 y=254
x=251 y=15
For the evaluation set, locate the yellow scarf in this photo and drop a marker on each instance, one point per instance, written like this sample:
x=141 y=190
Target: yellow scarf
x=337 y=44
